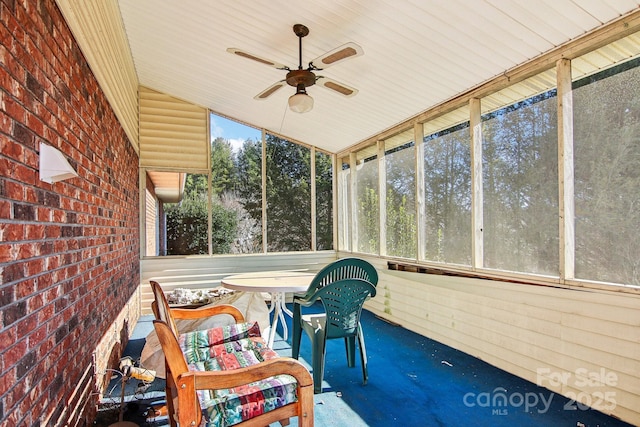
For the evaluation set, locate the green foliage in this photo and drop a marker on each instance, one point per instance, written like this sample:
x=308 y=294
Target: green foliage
x=447 y=163
x=368 y=214
x=288 y=195
x=223 y=168
x=224 y=228
x=402 y=221
x=520 y=187
x=237 y=204
x=195 y=186
x=369 y=221
x=400 y=203
x=324 y=201
x=187 y=226
x=607 y=176
x=249 y=178
x=187 y=222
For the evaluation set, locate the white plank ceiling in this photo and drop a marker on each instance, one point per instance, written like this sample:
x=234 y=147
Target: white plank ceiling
x=417 y=54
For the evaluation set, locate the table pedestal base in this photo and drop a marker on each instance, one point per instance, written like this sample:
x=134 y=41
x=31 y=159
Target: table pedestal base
x=279 y=308
x=276 y=283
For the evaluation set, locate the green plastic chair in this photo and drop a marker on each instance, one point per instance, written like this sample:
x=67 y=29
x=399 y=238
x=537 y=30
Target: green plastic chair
x=342 y=301
x=344 y=268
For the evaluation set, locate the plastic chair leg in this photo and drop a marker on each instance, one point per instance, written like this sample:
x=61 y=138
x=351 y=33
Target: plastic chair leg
x=296 y=335
x=319 y=350
x=363 y=356
x=350 y=344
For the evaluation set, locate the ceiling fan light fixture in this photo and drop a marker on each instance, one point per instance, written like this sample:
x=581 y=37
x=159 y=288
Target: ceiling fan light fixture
x=300 y=102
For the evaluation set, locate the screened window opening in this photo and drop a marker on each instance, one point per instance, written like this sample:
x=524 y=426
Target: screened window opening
x=275 y=195
x=324 y=201
x=447 y=176
x=223 y=211
x=401 y=223
x=187 y=221
x=344 y=205
x=520 y=186
x=607 y=174
x=368 y=205
x=288 y=196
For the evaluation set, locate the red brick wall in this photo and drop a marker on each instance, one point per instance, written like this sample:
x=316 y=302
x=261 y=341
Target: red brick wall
x=69 y=251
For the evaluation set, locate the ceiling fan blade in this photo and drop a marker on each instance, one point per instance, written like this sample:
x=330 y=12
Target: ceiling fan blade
x=270 y=90
x=346 y=51
x=257 y=58
x=338 y=87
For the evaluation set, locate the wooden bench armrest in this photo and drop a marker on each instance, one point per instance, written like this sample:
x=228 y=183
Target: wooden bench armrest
x=188 y=382
x=198 y=313
x=205 y=380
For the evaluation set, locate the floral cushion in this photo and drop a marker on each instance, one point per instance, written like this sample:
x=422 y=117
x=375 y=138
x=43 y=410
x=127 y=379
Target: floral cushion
x=227 y=407
x=220 y=335
x=200 y=354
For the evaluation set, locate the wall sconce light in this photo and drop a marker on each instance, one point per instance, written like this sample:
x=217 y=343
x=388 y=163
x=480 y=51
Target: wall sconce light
x=54 y=166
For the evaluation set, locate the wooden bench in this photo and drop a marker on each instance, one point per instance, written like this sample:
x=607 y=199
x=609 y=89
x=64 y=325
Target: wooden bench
x=228 y=375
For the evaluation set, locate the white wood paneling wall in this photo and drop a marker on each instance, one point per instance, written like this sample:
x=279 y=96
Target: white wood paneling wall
x=531 y=331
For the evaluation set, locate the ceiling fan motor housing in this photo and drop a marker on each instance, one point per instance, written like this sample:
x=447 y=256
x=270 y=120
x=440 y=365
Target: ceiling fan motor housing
x=297 y=77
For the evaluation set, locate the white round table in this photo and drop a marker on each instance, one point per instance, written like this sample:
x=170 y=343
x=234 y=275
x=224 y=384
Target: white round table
x=277 y=283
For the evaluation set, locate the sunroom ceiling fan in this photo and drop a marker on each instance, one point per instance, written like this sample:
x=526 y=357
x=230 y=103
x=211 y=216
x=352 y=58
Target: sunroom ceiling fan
x=301 y=78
